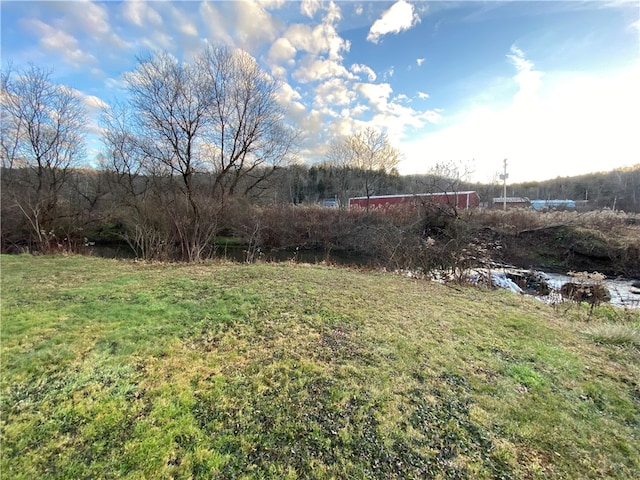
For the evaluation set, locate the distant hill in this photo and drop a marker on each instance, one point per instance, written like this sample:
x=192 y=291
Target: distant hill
x=617 y=189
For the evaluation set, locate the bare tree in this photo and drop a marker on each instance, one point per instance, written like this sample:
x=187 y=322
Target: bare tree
x=448 y=178
x=163 y=136
x=138 y=200
x=122 y=156
x=42 y=138
x=370 y=153
x=246 y=135
x=338 y=159
x=197 y=133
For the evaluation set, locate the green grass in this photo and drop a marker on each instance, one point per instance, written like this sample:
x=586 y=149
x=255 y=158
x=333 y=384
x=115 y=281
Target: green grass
x=130 y=370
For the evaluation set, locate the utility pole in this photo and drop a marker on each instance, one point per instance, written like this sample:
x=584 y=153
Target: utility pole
x=504 y=177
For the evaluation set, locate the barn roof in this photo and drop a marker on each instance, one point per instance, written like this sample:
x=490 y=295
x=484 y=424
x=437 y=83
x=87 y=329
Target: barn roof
x=373 y=197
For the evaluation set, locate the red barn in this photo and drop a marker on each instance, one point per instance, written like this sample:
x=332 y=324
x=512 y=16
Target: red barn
x=459 y=200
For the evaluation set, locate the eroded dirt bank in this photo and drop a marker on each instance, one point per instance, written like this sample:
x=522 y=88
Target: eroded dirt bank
x=564 y=248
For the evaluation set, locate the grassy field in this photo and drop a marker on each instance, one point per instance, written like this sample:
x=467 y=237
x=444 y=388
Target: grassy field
x=116 y=369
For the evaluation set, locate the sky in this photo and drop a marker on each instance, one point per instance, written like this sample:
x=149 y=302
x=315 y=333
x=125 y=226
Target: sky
x=551 y=86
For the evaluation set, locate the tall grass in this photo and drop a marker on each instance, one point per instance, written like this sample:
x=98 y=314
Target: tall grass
x=615 y=334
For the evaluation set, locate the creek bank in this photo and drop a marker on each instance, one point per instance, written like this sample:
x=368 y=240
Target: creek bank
x=561 y=248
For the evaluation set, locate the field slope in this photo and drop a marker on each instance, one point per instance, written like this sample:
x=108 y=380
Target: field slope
x=117 y=369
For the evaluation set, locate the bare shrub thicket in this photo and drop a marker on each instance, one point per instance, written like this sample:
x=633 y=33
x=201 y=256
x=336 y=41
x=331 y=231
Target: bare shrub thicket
x=586 y=287
x=398 y=238
x=291 y=226
x=189 y=137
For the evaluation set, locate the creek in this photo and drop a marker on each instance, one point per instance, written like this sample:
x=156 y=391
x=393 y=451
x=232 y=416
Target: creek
x=622 y=290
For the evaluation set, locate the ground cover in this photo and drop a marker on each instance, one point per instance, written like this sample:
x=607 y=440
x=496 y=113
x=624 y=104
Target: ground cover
x=120 y=369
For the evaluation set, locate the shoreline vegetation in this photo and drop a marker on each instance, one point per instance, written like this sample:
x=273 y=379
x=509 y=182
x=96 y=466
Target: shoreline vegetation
x=397 y=239
x=128 y=369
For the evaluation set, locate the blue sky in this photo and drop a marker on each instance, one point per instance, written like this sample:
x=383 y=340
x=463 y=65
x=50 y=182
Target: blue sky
x=550 y=85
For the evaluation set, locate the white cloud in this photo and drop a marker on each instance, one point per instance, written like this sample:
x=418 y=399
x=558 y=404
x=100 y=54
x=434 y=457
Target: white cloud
x=282 y=51
x=94 y=107
x=92 y=18
x=322 y=39
x=320 y=46
x=354 y=112
x=254 y=26
x=376 y=93
x=358 y=68
x=141 y=14
x=165 y=25
x=217 y=24
x=278 y=71
x=314 y=69
x=333 y=14
x=92 y=102
x=288 y=98
x=271 y=4
x=56 y=40
x=529 y=79
x=334 y=92
x=420 y=61
x=309 y=7
x=343 y=127
x=287 y=94
x=401 y=16
x=358 y=10
x=423 y=95
x=189 y=29
x=397 y=119
x=160 y=40
x=181 y=20
x=89 y=22
x=312 y=125
x=73 y=29
x=323 y=47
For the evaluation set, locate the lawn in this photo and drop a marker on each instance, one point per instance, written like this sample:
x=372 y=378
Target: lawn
x=114 y=369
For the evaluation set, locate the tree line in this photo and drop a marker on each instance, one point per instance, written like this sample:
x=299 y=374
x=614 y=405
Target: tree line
x=616 y=190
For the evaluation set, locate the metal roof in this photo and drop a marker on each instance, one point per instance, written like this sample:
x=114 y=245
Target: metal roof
x=511 y=200
x=373 y=197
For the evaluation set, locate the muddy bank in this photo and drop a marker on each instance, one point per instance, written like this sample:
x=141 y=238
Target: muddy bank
x=560 y=249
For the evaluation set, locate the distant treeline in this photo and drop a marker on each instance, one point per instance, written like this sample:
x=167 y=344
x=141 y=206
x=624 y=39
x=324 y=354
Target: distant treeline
x=618 y=189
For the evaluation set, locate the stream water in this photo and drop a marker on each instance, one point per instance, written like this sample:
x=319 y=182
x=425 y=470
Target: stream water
x=622 y=291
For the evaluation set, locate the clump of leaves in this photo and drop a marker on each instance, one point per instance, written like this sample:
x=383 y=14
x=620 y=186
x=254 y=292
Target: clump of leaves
x=586 y=287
